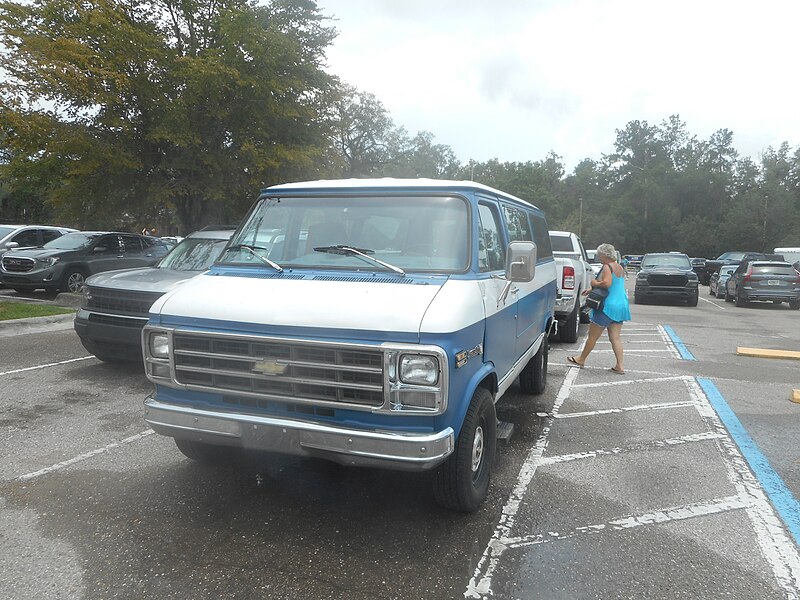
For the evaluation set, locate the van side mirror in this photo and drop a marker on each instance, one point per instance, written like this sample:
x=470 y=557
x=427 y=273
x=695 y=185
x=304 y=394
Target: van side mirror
x=521 y=261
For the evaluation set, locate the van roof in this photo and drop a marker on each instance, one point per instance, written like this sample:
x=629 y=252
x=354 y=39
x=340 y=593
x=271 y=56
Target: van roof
x=389 y=183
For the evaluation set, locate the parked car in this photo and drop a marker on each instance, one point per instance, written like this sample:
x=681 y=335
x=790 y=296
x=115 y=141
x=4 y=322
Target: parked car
x=28 y=236
x=65 y=262
x=574 y=275
x=634 y=261
x=699 y=267
x=773 y=281
x=717 y=284
x=790 y=255
x=666 y=275
x=733 y=258
x=116 y=303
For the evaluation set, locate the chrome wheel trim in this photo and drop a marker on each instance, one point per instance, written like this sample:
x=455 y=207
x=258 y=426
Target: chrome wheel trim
x=75 y=282
x=477 y=449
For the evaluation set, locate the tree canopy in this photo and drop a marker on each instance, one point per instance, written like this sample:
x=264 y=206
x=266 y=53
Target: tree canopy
x=118 y=114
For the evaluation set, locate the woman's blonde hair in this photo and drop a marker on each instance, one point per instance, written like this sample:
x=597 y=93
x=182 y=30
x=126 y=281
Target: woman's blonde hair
x=608 y=251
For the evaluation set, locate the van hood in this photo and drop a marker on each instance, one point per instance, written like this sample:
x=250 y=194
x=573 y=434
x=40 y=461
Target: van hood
x=141 y=279
x=311 y=302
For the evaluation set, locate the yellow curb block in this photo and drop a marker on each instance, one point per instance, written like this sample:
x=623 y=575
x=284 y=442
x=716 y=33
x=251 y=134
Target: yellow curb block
x=767 y=353
x=796 y=396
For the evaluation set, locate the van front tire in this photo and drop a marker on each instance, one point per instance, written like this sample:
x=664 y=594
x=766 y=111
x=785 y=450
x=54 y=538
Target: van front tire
x=462 y=482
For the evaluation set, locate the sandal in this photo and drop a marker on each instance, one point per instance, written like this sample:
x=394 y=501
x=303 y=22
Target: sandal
x=617 y=371
x=572 y=360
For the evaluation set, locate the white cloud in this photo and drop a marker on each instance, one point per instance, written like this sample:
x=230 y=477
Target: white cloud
x=515 y=80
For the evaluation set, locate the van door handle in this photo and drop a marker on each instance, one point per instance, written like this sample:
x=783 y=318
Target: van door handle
x=515 y=291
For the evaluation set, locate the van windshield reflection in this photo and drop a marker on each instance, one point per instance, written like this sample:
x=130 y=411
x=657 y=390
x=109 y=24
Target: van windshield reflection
x=400 y=233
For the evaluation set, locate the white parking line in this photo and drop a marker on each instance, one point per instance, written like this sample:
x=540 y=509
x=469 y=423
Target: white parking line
x=55 y=364
x=481 y=581
x=668 y=341
x=612 y=411
x=82 y=457
x=667 y=515
x=631 y=381
x=713 y=304
x=640 y=447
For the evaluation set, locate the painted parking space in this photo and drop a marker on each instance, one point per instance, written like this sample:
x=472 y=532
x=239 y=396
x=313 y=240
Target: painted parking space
x=648 y=467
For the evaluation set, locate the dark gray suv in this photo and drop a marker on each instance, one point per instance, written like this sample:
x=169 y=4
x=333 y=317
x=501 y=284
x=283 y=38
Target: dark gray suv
x=65 y=263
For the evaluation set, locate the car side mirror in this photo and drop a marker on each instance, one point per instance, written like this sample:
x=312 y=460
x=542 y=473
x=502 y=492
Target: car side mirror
x=12 y=245
x=521 y=261
x=99 y=249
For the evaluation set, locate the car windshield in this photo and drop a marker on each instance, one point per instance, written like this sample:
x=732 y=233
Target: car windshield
x=732 y=256
x=193 y=254
x=726 y=271
x=4 y=231
x=71 y=241
x=408 y=233
x=673 y=261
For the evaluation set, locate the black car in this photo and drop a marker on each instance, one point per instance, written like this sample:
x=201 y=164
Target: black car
x=65 y=263
x=666 y=275
x=699 y=267
x=771 y=281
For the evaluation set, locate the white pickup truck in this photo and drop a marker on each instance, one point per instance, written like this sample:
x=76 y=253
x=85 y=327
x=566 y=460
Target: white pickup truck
x=574 y=275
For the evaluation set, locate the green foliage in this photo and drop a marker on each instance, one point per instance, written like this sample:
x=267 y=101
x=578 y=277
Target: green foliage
x=131 y=108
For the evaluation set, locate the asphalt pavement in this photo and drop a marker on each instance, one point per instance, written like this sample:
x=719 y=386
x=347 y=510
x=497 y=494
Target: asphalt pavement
x=613 y=486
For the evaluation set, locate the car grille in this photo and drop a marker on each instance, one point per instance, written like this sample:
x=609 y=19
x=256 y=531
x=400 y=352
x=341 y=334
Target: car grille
x=668 y=280
x=278 y=370
x=18 y=264
x=121 y=301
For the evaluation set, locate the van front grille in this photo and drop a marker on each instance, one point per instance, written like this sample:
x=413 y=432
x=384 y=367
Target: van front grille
x=287 y=371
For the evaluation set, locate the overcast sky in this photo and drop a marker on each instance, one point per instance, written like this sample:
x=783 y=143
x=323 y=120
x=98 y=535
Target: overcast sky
x=514 y=80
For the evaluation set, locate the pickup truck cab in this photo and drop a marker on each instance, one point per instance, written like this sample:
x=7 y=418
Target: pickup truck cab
x=368 y=322
x=574 y=274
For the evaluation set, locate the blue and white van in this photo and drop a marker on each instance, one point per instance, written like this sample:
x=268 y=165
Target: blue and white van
x=369 y=322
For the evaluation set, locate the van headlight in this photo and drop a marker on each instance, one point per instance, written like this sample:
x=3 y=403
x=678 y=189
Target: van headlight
x=419 y=369
x=159 y=345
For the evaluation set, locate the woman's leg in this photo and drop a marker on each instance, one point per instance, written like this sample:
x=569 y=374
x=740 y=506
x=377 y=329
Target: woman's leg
x=614 y=331
x=595 y=331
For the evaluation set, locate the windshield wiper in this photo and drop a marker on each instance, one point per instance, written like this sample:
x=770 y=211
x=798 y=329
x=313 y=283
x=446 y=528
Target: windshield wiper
x=361 y=253
x=252 y=250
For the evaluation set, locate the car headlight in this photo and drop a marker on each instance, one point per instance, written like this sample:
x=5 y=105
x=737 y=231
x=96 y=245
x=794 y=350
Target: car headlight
x=49 y=261
x=419 y=369
x=159 y=345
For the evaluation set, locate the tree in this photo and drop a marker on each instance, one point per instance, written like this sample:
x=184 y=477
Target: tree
x=132 y=108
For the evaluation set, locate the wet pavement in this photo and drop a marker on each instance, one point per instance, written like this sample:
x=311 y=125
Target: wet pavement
x=611 y=487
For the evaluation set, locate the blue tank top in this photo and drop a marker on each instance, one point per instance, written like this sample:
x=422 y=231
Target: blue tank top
x=616 y=306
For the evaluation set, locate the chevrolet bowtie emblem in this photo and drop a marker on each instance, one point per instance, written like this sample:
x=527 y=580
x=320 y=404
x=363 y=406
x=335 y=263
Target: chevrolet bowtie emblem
x=269 y=367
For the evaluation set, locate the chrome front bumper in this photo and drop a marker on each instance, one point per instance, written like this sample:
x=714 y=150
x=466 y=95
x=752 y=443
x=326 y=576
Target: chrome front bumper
x=357 y=447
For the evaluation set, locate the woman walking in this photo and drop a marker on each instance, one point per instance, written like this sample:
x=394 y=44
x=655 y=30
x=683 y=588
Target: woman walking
x=614 y=311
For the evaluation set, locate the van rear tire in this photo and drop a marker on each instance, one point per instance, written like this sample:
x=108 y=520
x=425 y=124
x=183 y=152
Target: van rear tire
x=533 y=378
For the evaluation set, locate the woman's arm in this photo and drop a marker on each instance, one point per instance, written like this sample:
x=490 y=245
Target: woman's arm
x=605 y=279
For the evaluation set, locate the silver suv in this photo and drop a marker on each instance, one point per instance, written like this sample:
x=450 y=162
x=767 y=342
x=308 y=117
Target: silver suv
x=116 y=303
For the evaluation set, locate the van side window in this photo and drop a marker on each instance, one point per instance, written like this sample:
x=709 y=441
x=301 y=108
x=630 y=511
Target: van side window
x=519 y=228
x=541 y=237
x=491 y=252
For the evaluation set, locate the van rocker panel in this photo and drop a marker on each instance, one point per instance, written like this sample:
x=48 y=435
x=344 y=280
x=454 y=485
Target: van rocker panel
x=347 y=446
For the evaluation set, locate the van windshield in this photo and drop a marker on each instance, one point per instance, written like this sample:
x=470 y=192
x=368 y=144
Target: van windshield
x=412 y=233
